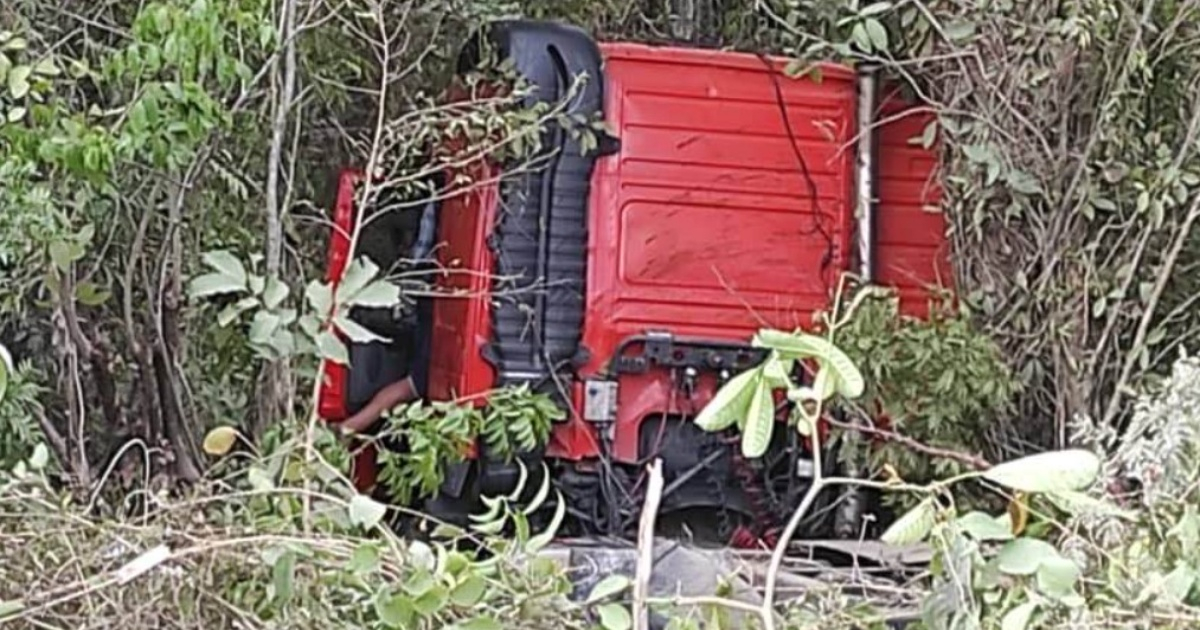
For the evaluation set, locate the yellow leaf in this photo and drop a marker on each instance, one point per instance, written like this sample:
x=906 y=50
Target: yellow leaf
x=1018 y=513
x=220 y=440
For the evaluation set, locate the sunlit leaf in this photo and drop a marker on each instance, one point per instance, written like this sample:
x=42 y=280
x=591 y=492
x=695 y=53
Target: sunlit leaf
x=615 y=617
x=378 y=294
x=608 y=587
x=274 y=293
x=731 y=402
x=760 y=421
x=1018 y=618
x=220 y=441
x=914 y=526
x=468 y=592
x=355 y=331
x=985 y=527
x=332 y=348
x=1023 y=556
x=1047 y=472
x=18 y=82
x=1057 y=576
x=214 y=284
x=226 y=264
x=366 y=512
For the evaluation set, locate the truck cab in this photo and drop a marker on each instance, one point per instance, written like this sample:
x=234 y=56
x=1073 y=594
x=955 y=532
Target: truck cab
x=626 y=277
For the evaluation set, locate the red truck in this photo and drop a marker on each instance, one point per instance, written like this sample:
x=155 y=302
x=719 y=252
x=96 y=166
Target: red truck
x=732 y=197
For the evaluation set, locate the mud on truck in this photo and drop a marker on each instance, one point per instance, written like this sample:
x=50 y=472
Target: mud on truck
x=729 y=197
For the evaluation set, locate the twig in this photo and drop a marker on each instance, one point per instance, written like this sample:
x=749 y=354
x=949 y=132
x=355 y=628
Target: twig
x=973 y=461
x=645 y=561
x=1143 y=329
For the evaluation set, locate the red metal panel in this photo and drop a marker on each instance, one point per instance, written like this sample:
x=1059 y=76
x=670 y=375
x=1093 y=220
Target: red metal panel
x=912 y=252
x=704 y=224
x=461 y=316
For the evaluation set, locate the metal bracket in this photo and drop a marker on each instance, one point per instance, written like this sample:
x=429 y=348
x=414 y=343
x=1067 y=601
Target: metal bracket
x=662 y=349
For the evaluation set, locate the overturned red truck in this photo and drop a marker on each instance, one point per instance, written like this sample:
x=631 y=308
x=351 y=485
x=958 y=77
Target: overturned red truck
x=731 y=197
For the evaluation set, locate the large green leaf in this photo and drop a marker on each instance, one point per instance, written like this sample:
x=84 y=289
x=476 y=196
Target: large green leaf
x=760 y=421
x=1054 y=471
x=366 y=512
x=378 y=294
x=1024 y=556
x=1056 y=576
x=800 y=346
x=226 y=264
x=730 y=404
x=1018 y=618
x=914 y=526
x=214 y=284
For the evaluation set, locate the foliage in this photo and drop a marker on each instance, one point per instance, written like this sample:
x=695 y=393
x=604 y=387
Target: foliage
x=1071 y=176
x=245 y=551
x=937 y=380
x=517 y=420
x=435 y=435
x=747 y=400
x=20 y=408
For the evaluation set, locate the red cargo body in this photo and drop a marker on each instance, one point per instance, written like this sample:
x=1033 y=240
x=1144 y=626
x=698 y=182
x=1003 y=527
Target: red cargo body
x=729 y=207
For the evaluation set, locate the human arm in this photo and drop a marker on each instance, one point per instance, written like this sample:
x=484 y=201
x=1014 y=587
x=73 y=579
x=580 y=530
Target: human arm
x=385 y=400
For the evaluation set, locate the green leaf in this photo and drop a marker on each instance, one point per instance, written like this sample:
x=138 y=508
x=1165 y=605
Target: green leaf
x=986 y=528
x=274 y=293
x=1023 y=556
x=608 y=587
x=478 y=623
x=877 y=33
x=378 y=294
x=731 y=402
x=1056 y=576
x=11 y=607
x=914 y=526
x=395 y=611
x=40 y=457
x=18 y=82
x=260 y=480
x=468 y=592
x=214 y=284
x=366 y=512
x=800 y=346
x=760 y=421
x=1018 y=618
x=332 y=348
x=957 y=31
x=226 y=264
x=1047 y=472
x=1178 y=584
x=615 y=617
x=263 y=327
x=89 y=294
x=540 y=541
x=47 y=68
x=358 y=274
x=364 y=560
x=230 y=313
x=320 y=297
x=16 y=114
x=355 y=331
x=283 y=576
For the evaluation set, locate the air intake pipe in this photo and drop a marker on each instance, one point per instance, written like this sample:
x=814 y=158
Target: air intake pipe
x=864 y=171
